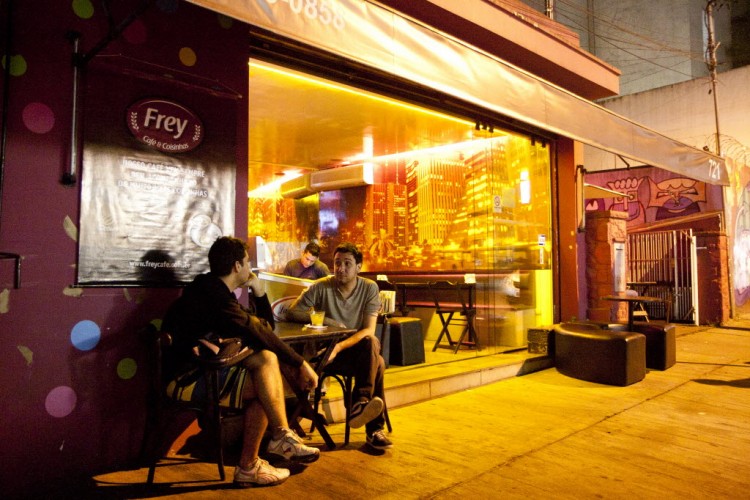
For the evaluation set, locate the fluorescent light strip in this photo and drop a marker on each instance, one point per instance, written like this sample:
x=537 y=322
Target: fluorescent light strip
x=326 y=83
x=473 y=144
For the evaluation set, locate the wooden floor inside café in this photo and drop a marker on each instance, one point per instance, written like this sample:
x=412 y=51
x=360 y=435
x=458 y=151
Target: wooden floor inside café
x=679 y=433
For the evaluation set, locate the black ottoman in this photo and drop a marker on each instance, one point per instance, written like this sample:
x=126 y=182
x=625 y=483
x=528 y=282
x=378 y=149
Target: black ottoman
x=661 y=345
x=604 y=356
x=407 y=344
x=383 y=334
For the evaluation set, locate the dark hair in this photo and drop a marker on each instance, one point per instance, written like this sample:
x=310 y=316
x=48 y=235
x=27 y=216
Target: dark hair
x=349 y=248
x=313 y=249
x=224 y=253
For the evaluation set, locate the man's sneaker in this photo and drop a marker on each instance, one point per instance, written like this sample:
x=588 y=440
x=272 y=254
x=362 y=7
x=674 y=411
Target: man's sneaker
x=291 y=447
x=261 y=474
x=364 y=411
x=378 y=440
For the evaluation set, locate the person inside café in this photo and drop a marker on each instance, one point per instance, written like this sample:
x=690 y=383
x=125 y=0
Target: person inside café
x=309 y=265
x=208 y=308
x=351 y=301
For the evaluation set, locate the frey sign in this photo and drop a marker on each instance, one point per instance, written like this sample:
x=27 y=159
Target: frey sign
x=164 y=125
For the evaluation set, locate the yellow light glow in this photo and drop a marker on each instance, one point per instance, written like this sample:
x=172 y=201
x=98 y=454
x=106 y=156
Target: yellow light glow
x=476 y=144
x=271 y=190
x=325 y=83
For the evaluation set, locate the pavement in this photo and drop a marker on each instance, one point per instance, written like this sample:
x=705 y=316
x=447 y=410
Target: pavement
x=679 y=433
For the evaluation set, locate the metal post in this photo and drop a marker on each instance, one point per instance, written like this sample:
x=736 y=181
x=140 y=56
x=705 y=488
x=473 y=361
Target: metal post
x=711 y=47
x=69 y=177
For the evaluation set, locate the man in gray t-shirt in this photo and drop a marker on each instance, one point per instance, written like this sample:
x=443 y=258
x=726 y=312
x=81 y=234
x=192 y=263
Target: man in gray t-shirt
x=352 y=301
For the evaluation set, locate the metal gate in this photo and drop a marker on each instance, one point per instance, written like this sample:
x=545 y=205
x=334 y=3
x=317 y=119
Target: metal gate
x=663 y=264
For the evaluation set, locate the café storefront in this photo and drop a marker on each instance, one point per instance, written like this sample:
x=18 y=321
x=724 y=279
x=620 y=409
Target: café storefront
x=435 y=158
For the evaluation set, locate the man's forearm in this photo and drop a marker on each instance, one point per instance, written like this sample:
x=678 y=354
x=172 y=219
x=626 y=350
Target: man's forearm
x=297 y=316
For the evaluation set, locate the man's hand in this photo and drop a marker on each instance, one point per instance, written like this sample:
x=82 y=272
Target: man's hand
x=336 y=349
x=256 y=285
x=308 y=379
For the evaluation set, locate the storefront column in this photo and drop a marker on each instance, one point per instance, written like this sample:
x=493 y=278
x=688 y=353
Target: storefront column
x=569 y=154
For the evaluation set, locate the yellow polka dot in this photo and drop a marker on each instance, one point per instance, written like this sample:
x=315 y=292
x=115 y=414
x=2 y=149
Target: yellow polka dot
x=126 y=368
x=83 y=8
x=187 y=56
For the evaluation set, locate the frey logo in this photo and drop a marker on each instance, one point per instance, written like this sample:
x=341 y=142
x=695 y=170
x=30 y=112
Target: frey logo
x=164 y=125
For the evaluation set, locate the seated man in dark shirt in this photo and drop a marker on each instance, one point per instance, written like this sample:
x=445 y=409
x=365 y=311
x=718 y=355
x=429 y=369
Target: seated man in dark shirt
x=208 y=309
x=307 y=266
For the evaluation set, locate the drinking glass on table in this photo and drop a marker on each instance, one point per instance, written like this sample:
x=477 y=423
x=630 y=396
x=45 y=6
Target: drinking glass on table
x=317 y=317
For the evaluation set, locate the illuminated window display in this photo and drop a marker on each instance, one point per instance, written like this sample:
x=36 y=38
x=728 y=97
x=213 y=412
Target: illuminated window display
x=420 y=192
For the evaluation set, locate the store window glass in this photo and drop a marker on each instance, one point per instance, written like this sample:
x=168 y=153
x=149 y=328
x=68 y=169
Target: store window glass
x=424 y=194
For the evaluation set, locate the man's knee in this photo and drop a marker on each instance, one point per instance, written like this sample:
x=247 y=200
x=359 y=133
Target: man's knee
x=370 y=343
x=261 y=359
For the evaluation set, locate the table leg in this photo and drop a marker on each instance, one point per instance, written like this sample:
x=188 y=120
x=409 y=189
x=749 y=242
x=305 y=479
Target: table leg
x=631 y=305
x=303 y=407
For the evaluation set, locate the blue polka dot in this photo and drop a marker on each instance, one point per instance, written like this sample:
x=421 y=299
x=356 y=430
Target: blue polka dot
x=85 y=335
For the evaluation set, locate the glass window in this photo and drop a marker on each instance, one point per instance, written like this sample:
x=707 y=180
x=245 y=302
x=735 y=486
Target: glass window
x=425 y=195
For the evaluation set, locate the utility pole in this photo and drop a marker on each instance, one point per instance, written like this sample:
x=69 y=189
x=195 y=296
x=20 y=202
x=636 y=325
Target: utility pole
x=711 y=47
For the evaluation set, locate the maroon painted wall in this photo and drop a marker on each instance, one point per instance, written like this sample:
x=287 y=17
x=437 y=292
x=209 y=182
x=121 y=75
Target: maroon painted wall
x=72 y=373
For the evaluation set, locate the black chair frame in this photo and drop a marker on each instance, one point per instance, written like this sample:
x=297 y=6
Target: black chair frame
x=161 y=406
x=347 y=388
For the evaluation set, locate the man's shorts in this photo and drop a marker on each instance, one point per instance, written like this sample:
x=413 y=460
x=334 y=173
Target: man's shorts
x=191 y=386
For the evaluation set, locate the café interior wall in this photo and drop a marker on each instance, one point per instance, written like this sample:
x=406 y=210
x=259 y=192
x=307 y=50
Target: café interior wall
x=70 y=408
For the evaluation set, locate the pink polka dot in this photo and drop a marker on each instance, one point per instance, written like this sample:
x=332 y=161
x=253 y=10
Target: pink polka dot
x=135 y=33
x=60 y=401
x=38 y=117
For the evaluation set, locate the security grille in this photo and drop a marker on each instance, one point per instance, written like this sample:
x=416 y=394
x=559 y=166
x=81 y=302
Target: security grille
x=663 y=264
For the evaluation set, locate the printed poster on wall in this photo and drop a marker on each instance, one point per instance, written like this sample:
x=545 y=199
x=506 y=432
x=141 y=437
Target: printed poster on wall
x=158 y=180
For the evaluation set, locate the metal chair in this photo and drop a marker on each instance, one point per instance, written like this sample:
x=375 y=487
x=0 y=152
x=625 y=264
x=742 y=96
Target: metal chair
x=347 y=386
x=452 y=307
x=163 y=409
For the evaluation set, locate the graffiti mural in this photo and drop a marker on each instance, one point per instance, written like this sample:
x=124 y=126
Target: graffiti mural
x=653 y=195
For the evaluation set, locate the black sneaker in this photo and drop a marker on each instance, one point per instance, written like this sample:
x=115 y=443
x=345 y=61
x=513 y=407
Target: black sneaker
x=378 y=440
x=364 y=411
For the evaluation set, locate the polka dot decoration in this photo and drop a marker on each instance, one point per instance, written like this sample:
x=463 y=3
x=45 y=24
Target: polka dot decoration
x=225 y=22
x=187 y=56
x=60 y=401
x=126 y=368
x=136 y=33
x=83 y=8
x=18 y=65
x=38 y=117
x=85 y=335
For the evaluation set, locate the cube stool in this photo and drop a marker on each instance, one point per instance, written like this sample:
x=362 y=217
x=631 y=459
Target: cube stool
x=407 y=343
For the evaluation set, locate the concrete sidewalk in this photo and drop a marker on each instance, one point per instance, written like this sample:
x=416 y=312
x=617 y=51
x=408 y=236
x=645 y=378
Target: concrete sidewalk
x=680 y=433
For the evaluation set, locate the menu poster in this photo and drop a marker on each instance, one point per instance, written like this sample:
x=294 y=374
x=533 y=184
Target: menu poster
x=158 y=181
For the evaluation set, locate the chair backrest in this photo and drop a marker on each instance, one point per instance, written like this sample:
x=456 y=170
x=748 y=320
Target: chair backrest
x=156 y=342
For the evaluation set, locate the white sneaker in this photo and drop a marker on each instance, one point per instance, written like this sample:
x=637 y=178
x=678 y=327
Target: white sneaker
x=291 y=447
x=261 y=474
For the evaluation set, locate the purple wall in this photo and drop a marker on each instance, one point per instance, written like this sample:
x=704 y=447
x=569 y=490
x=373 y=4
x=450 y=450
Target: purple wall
x=72 y=375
